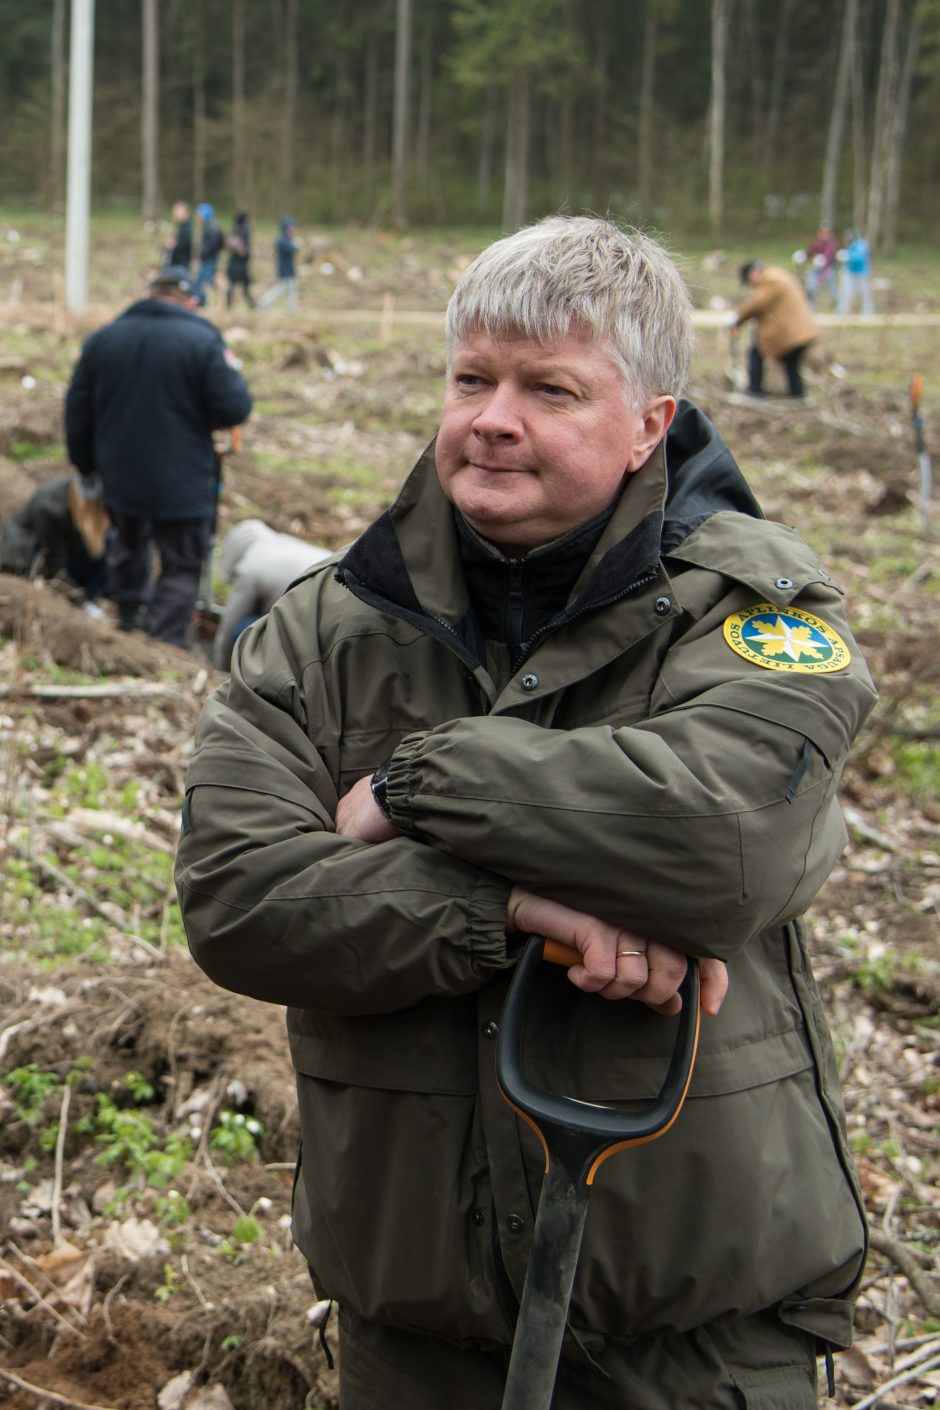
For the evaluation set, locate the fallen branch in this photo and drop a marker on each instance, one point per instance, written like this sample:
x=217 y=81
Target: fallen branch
x=59 y=1160
x=129 y=690
x=906 y=1262
x=40 y=1300
x=895 y=1381
x=865 y=832
x=41 y=1393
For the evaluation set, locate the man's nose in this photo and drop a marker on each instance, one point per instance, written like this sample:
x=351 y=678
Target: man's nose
x=501 y=415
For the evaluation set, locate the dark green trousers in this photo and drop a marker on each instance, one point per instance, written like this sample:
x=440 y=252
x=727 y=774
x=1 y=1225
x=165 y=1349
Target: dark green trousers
x=750 y=1363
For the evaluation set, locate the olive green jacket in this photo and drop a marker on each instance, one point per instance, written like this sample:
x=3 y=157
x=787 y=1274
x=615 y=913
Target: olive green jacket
x=634 y=766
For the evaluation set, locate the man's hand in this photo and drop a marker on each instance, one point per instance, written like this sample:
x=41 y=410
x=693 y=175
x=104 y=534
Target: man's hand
x=358 y=815
x=616 y=963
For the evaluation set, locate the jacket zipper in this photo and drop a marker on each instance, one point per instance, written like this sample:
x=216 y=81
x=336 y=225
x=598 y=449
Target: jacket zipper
x=529 y=646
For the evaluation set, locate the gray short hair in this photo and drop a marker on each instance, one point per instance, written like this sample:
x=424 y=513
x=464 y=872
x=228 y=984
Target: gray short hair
x=570 y=271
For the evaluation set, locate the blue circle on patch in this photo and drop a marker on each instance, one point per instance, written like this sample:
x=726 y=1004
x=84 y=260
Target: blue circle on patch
x=786 y=640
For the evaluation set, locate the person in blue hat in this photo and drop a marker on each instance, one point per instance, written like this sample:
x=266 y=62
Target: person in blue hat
x=211 y=245
x=285 y=247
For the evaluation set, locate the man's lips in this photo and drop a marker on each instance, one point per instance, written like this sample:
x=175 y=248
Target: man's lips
x=494 y=467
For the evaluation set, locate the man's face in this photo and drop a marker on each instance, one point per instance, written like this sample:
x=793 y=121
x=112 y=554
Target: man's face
x=536 y=438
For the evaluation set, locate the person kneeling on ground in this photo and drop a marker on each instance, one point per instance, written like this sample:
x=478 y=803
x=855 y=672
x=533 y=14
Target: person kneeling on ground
x=58 y=532
x=260 y=564
x=571 y=683
x=785 y=324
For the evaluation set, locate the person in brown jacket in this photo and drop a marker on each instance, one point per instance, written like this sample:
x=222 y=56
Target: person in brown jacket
x=785 y=325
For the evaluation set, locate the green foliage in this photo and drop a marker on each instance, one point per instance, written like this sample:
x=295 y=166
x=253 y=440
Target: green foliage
x=918 y=767
x=130 y=1140
x=138 y=1086
x=879 y=973
x=21 y=451
x=29 y=1087
x=236 y=1137
x=171 y=1284
x=172 y=1209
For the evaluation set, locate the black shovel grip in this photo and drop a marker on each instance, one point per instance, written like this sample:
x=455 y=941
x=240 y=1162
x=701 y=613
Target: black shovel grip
x=552 y=1114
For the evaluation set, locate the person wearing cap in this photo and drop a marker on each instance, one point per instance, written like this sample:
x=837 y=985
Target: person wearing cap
x=785 y=326
x=285 y=247
x=145 y=396
x=211 y=244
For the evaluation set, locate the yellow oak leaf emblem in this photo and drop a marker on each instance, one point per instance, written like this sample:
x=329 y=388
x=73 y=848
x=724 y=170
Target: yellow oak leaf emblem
x=781 y=638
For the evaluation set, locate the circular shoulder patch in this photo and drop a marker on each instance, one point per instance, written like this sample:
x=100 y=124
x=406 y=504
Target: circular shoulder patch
x=788 y=640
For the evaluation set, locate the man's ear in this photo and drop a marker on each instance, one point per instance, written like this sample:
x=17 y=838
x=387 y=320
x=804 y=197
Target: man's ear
x=657 y=418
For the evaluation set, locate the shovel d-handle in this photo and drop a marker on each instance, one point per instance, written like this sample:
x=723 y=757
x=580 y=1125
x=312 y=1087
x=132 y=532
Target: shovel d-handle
x=577 y=1137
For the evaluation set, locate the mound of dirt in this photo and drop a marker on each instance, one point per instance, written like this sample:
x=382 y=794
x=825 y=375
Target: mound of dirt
x=91 y=1311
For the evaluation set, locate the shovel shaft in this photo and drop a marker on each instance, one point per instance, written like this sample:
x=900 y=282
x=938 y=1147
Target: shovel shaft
x=540 y=1330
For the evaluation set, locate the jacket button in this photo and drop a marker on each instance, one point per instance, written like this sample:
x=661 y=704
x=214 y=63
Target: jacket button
x=515 y=1224
x=530 y=681
x=490 y=1029
x=784 y=583
x=479 y=1218
x=662 y=605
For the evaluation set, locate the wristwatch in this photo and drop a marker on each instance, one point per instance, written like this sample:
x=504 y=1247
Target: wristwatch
x=380 y=790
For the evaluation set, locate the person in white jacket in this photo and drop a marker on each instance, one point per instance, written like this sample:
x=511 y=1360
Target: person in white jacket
x=260 y=564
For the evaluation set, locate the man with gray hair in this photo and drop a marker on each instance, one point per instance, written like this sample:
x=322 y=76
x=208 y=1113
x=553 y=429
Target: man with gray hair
x=573 y=684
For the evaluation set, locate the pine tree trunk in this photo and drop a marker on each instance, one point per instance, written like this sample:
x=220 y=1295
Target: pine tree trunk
x=644 y=143
x=899 y=129
x=289 y=114
x=150 y=122
x=369 y=117
x=601 y=62
x=485 y=160
x=57 y=110
x=238 y=102
x=425 y=102
x=516 y=171
x=840 y=94
x=756 y=70
x=775 y=101
x=400 y=113
x=859 y=186
x=881 y=137
x=199 y=104
x=716 y=117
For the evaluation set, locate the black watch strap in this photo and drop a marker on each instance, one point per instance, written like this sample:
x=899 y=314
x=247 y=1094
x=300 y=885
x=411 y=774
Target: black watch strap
x=380 y=790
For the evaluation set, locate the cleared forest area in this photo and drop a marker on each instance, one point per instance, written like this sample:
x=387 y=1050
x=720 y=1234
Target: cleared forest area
x=148 y=1118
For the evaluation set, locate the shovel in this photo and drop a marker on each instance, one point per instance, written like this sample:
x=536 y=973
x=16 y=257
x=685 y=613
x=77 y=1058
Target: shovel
x=577 y=1137
x=923 y=455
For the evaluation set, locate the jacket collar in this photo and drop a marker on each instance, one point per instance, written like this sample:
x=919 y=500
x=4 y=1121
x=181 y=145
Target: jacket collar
x=408 y=561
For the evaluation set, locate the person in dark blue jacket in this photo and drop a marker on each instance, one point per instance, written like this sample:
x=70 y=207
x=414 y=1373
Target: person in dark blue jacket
x=285 y=247
x=211 y=245
x=144 y=399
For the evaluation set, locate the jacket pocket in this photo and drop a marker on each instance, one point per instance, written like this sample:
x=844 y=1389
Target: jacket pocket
x=771 y=1365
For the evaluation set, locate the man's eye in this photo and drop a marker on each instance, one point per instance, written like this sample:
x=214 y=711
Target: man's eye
x=467 y=379
x=551 y=390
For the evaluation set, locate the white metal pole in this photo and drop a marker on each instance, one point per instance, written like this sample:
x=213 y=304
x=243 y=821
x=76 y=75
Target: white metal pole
x=79 y=178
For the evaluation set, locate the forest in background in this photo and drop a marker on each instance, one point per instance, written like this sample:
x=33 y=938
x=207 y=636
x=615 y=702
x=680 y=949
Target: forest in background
x=703 y=116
